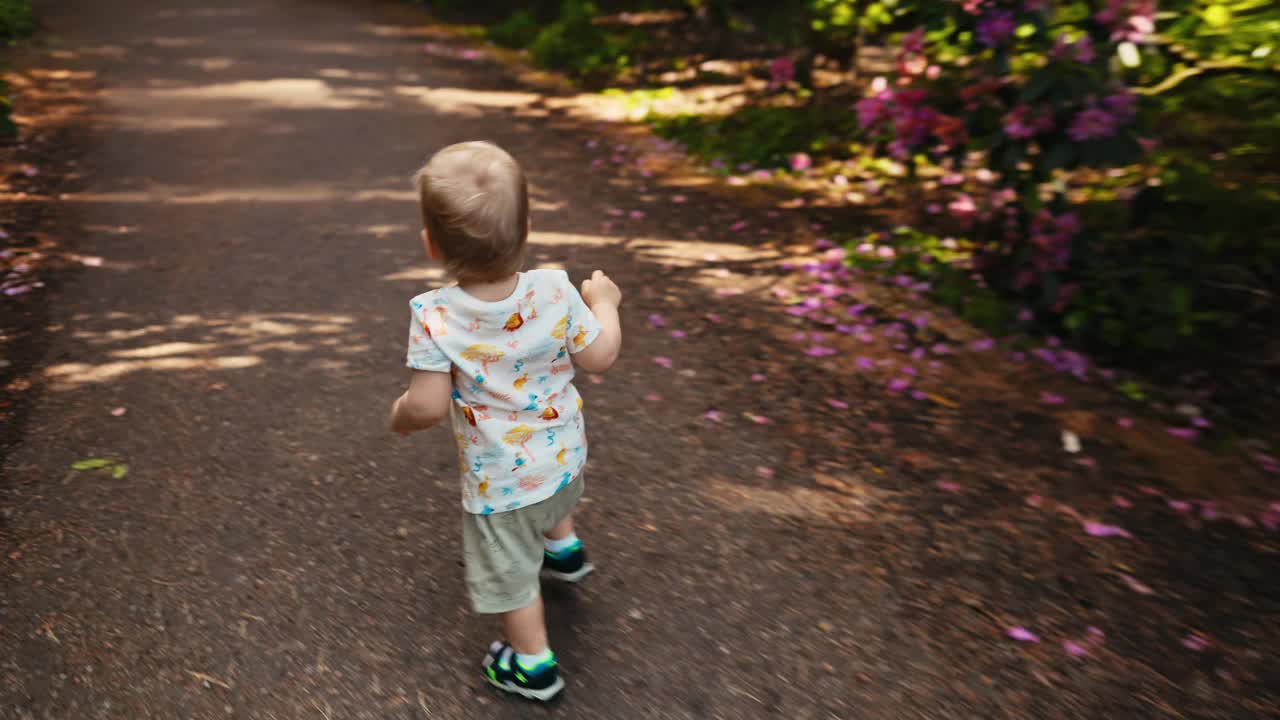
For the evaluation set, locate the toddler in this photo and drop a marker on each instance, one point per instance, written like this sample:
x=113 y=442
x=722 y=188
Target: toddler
x=495 y=352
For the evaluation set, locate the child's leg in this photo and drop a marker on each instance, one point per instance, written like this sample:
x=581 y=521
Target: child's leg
x=562 y=529
x=526 y=628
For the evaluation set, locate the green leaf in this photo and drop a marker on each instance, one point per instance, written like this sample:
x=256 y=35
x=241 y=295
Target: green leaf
x=119 y=471
x=90 y=464
x=1217 y=15
x=1181 y=298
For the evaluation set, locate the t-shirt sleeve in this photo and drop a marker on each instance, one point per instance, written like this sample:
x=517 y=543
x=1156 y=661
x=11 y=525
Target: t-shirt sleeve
x=424 y=353
x=583 y=326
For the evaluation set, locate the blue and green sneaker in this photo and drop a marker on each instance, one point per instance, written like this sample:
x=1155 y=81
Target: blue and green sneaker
x=542 y=683
x=569 y=565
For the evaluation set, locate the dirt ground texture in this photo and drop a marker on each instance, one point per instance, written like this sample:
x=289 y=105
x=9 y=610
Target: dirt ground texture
x=272 y=552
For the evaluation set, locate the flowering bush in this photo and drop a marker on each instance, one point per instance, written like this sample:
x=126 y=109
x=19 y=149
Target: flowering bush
x=1043 y=97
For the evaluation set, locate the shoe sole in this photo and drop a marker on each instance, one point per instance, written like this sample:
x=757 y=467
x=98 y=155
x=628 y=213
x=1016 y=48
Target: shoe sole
x=546 y=694
x=572 y=577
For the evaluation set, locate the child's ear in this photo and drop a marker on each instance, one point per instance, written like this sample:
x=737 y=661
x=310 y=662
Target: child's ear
x=429 y=245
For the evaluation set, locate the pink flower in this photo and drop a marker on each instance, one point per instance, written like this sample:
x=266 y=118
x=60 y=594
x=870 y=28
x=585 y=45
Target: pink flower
x=801 y=162
x=1092 y=123
x=996 y=28
x=963 y=206
x=781 y=71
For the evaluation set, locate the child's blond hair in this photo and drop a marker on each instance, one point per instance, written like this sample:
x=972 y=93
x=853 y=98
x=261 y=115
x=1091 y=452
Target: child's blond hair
x=475 y=207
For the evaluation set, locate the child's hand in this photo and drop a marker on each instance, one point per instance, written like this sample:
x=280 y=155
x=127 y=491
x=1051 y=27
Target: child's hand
x=600 y=290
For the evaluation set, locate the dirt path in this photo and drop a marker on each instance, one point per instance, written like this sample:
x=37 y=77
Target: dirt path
x=272 y=553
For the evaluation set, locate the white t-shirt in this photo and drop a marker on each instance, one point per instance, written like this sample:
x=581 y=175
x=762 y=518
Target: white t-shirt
x=516 y=415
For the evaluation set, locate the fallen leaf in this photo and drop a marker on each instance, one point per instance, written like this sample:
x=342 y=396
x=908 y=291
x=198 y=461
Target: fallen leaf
x=90 y=464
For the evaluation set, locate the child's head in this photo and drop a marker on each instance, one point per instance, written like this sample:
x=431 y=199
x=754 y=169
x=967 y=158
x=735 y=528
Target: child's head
x=475 y=208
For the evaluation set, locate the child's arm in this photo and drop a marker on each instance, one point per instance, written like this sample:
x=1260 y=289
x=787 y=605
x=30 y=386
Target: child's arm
x=424 y=404
x=602 y=296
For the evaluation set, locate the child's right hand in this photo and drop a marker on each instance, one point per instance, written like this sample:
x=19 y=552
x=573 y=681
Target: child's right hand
x=600 y=290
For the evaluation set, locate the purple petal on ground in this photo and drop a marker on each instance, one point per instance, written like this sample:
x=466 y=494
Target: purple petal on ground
x=663 y=361
x=1125 y=422
x=759 y=377
x=799 y=310
x=838 y=404
x=1201 y=421
x=17 y=290
x=1035 y=500
x=855 y=309
x=982 y=345
x=1181 y=506
x=1049 y=398
x=1074 y=649
x=919 y=395
x=713 y=415
x=1121 y=502
x=918 y=354
x=1196 y=642
x=738 y=226
x=1136 y=585
x=1271 y=519
x=1095 y=635
x=713 y=317
x=865 y=363
x=1188 y=434
x=1022 y=634
x=1097 y=529
x=764 y=472
x=1018 y=357
x=653 y=397
x=657 y=320
x=908 y=370
x=897 y=385
x=679 y=334
x=949 y=486
x=940 y=349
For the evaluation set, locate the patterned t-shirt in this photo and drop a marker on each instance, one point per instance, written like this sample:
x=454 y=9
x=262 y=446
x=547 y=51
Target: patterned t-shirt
x=516 y=414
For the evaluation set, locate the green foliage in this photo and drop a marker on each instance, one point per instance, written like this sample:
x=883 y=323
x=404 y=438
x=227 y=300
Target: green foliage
x=16 y=20
x=576 y=43
x=762 y=136
x=517 y=31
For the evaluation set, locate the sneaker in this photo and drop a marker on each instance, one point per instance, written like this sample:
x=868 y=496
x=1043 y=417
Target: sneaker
x=503 y=672
x=569 y=565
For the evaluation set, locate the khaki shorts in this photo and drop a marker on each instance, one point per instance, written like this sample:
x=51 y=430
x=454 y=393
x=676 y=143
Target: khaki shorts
x=503 y=551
